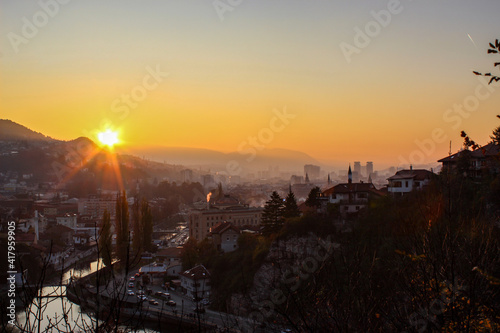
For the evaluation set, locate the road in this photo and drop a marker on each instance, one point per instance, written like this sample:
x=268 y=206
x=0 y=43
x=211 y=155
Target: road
x=185 y=308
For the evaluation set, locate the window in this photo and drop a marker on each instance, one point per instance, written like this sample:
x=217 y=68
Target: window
x=396 y=184
x=357 y=207
x=227 y=239
x=406 y=184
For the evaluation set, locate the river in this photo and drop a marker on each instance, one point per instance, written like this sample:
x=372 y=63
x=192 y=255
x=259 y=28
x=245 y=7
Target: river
x=60 y=314
x=54 y=303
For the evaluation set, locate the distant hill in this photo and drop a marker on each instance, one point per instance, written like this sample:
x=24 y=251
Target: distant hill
x=78 y=165
x=194 y=157
x=11 y=131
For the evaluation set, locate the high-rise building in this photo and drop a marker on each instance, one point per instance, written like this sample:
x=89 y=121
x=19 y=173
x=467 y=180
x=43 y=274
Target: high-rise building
x=312 y=171
x=357 y=168
x=187 y=175
x=369 y=169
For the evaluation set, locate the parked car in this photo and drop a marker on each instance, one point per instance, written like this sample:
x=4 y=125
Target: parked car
x=171 y=303
x=131 y=293
x=132 y=279
x=159 y=293
x=140 y=292
x=153 y=302
x=131 y=285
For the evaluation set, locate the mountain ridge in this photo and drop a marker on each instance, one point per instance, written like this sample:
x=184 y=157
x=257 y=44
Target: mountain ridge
x=251 y=159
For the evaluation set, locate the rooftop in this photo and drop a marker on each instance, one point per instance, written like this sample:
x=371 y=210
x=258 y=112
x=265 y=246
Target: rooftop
x=416 y=174
x=197 y=273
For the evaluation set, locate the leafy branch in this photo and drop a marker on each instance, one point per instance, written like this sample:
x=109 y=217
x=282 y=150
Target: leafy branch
x=494 y=49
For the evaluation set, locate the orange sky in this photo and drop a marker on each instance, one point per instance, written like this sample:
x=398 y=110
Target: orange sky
x=225 y=77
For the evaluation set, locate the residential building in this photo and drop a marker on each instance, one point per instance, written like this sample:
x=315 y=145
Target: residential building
x=482 y=161
x=68 y=220
x=174 y=268
x=195 y=282
x=351 y=196
x=294 y=179
x=225 y=236
x=405 y=181
x=170 y=254
x=95 y=205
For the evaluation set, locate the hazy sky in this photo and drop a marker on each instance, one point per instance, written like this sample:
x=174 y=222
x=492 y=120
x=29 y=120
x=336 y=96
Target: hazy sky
x=69 y=69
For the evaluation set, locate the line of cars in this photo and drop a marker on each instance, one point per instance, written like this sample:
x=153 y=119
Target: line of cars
x=141 y=294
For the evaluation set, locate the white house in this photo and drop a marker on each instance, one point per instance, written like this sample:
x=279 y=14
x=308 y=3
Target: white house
x=174 y=268
x=67 y=220
x=196 y=282
x=225 y=236
x=405 y=181
x=350 y=197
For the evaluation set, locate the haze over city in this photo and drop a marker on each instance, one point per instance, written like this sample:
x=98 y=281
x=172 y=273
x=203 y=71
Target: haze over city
x=219 y=72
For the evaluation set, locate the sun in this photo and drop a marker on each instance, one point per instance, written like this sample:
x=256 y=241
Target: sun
x=108 y=138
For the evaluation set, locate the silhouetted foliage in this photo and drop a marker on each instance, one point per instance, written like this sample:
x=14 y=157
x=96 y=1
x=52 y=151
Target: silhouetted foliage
x=290 y=208
x=122 y=227
x=494 y=49
x=272 y=216
x=105 y=245
x=313 y=198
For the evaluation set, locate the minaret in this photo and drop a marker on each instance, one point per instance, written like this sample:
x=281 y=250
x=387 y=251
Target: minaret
x=349 y=175
x=329 y=180
x=307 y=178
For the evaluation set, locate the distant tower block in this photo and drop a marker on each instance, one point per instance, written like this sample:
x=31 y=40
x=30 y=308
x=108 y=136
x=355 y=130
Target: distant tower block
x=369 y=168
x=357 y=168
x=312 y=170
